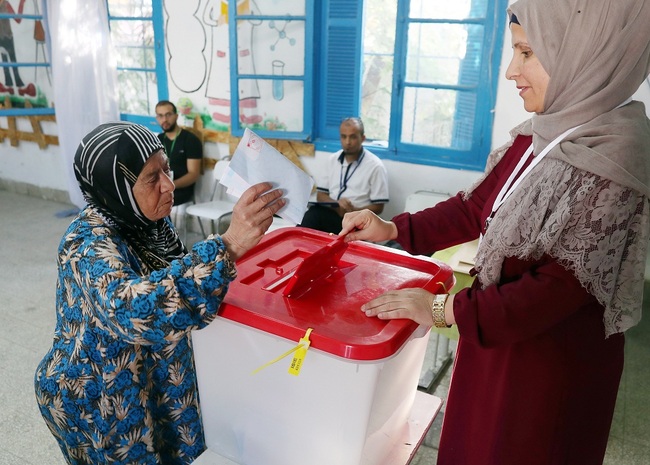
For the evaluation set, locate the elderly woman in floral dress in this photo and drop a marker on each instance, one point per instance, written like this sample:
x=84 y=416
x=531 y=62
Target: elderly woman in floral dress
x=118 y=385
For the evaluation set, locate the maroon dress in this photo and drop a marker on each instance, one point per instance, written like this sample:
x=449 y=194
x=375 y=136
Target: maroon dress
x=535 y=380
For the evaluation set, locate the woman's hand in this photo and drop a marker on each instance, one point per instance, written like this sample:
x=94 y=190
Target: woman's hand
x=413 y=304
x=251 y=217
x=366 y=226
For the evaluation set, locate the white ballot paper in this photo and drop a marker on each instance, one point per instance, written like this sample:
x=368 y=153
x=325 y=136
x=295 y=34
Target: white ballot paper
x=255 y=161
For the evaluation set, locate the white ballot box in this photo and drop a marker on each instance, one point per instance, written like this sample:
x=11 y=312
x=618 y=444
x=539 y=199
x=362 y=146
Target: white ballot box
x=292 y=372
x=408 y=440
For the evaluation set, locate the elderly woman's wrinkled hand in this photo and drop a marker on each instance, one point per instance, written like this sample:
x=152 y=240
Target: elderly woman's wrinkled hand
x=251 y=217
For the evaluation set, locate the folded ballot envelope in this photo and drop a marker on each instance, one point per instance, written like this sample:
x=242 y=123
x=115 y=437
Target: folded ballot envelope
x=255 y=161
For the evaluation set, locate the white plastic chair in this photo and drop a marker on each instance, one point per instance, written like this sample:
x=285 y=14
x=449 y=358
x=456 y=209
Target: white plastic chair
x=218 y=207
x=179 y=219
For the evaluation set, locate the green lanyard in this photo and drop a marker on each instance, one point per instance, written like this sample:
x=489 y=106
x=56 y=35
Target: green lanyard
x=171 y=149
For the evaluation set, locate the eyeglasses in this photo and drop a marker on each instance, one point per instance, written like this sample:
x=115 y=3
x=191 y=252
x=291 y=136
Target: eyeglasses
x=166 y=115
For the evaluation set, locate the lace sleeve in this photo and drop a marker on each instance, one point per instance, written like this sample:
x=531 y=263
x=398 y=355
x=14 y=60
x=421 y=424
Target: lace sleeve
x=594 y=227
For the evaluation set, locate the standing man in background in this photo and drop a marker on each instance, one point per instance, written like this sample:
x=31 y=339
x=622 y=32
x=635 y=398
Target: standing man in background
x=356 y=180
x=185 y=152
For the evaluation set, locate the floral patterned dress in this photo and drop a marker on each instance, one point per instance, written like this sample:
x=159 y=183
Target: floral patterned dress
x=119 y=385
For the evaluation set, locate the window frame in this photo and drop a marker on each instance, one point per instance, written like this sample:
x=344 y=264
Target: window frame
x=333 y=79
x=13 y=112
x=236 y=127
x=160 y=70
x=472 y=159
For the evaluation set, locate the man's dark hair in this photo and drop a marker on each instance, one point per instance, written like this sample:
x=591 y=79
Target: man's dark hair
x=167 y=102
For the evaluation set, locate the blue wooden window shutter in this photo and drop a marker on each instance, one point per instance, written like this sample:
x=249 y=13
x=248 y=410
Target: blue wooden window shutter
x=340 y=79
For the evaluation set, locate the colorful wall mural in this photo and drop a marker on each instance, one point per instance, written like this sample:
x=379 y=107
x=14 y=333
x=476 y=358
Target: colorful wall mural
x=197 y=36
x=22 y=41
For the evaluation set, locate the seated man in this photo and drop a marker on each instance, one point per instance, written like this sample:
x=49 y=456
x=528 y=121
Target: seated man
x=356 y=179
x=185 y=152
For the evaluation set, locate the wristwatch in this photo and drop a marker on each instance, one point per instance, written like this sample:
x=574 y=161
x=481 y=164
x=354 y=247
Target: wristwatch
x=438 y=310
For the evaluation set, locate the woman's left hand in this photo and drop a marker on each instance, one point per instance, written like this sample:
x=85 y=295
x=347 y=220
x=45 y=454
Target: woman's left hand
x=414 y=304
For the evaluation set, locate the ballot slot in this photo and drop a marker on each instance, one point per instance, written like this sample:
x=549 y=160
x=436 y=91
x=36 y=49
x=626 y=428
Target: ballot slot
x=320 y=264
x=297 y=272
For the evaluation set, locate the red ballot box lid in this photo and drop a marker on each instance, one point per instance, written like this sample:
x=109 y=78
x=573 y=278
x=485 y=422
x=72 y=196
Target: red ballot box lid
x=298 y=278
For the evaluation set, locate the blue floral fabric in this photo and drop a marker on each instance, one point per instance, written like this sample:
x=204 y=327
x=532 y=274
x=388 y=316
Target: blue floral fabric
x=119 y=384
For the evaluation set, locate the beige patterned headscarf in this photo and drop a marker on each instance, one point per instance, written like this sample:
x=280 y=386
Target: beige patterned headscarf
x=586 y=204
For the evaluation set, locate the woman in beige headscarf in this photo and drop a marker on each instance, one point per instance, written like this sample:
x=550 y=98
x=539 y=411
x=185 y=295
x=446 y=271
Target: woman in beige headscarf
x=564 y=215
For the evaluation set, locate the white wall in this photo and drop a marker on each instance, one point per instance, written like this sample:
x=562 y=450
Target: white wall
x=28 y=164
x=43 y=168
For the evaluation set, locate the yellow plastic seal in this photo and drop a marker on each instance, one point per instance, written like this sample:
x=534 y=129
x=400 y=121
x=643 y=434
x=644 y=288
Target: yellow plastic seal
x=300 y=353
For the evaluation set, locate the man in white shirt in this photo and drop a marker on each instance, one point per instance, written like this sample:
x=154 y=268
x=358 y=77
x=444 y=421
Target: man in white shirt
x=356 y=180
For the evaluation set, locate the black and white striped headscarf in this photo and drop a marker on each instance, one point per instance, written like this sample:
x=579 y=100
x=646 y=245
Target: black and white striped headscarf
x=107 y=164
